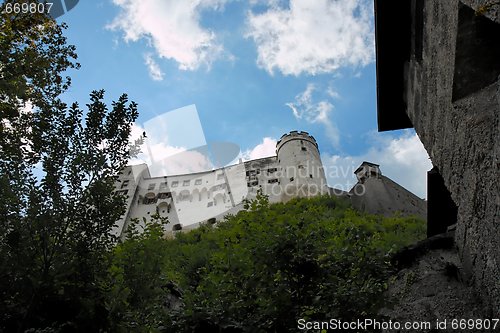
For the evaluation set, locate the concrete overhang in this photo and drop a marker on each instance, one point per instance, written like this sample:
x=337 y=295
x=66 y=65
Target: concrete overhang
x=393 y=47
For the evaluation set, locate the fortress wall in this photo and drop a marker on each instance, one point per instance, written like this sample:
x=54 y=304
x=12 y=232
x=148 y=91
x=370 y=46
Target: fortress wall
x=455 y=112
x=128 y=182
x=264 y=174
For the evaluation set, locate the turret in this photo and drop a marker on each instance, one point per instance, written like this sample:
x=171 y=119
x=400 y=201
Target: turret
x=302 y=173
x=367 y=170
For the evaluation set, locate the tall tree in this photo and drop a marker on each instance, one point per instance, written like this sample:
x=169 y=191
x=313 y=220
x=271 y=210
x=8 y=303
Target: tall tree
x=58 y=165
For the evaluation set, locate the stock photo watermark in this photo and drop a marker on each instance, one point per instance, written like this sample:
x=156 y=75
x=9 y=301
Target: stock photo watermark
x=53 y=8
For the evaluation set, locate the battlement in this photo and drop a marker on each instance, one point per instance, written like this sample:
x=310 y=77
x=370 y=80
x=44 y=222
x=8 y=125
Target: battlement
x=295 y=135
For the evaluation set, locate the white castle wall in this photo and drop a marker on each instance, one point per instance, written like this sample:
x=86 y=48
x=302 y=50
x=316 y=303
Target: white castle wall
x=193 y=198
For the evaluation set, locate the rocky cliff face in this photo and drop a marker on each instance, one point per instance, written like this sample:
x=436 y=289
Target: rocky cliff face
x=430 y=287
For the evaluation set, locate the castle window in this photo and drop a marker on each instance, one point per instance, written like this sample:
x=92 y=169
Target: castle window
x=163 y=185
x=254 y=183
x=129 y=172
x=210 y=204
x=291 y=179
x=310 y=176
x=164 y=195
x=124 y=184
x=122 y=192
x=272 y=170
x=184 y=196
x=186 y=183
x=151 y=186
x=149 y=199
x=197 y=182
x=271 y=181
x=304 y=149
x=175 y=183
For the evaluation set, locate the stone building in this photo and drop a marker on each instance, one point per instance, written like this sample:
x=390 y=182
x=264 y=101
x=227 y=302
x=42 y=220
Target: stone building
x=188 y=199
x=438 y=67
x=375 y=193
x=296 y=171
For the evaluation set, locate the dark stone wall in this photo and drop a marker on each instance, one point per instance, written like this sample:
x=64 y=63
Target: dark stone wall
x=462 y=137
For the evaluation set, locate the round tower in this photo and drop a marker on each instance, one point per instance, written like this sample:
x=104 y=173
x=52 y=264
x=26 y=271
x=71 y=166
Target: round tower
x=302 y=173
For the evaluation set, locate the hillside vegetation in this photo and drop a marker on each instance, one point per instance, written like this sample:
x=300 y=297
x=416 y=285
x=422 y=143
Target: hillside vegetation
x=260 y=270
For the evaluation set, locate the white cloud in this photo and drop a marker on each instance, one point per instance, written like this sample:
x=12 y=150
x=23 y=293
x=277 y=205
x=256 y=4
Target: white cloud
x=172 y=28
x=313 y=37
x=265 y=149
x=403 y=159
x=154 y=69
x=305 y=108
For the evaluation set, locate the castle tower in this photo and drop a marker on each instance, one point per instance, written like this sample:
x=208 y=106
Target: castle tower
x=301 y=170
x=367 y=170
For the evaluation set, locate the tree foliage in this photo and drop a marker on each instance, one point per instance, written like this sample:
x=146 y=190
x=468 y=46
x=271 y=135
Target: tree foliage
x=263 y=269
x=58 y=165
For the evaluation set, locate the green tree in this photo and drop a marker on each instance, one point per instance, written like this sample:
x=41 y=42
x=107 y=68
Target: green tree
x=58 y=166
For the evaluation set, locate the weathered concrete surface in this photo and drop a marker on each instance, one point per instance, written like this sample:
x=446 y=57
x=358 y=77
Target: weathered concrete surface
x=381 y=195
x=463 y=141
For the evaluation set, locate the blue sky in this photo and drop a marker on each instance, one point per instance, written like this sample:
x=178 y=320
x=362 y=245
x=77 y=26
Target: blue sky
x=254 y=70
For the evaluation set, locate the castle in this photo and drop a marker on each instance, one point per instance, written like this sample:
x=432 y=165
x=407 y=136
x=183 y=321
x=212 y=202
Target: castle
x=296 y=171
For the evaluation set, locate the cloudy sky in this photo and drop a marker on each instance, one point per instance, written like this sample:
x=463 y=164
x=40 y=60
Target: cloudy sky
x=245 y=72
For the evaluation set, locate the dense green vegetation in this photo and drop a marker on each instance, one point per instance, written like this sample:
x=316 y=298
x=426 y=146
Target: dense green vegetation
x=260 y=270
x=62 y=271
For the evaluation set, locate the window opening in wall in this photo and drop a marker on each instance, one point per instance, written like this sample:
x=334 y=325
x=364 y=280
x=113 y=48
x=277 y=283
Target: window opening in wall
x=310 y=175
x=149 y=198
x=272 y=170
x=197 y=182
x=164 y=195
x=477 y=52
x=122 y=192
x=304 y=149
x=124 y=184
x=151 y=186
x=254 y=183
x=220 y=176
x=175 y=183
x=210 y=204
x=163 y=185
x=129 y=172
x=186 y=183
x=291 y=179
x=272 y=181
